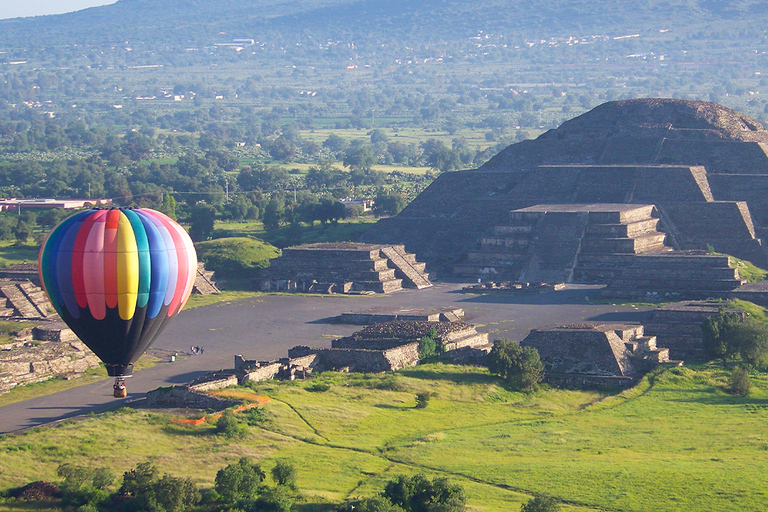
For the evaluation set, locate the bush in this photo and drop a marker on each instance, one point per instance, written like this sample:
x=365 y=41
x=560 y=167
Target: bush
x=143 y=491
x=541 y=504
x=229 y=426
x=284 y=473
x=236 y=256
x=520 y=367
x=275 y=499
x=427 y=344
x=420 y=494
x=374 y=504
x=739 y=383
x=422 y=400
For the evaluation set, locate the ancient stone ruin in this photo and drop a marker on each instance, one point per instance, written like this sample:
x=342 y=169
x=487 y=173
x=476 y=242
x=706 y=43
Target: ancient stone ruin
x=344 y=268
x=678 y=326
x=692 y=175
x=596 y=355
x=204 y=281
x=42 y=353
x=23 y=300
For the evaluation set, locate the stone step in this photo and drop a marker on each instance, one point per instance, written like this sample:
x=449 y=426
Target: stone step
x=623 y=245
x=407 y=271
x=514 y=244
x=680 y=273
x=389 y=286
x=513 y=230
x=471 y=340
x=631 y=230
x=624 y=216
x=677 y=285
x=675 y=259
x=496 y=257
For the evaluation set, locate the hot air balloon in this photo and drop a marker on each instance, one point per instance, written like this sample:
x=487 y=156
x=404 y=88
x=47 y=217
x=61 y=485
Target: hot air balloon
x=116 y=277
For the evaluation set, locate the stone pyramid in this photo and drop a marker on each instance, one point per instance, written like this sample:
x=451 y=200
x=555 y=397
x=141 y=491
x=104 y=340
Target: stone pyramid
x=703 y=167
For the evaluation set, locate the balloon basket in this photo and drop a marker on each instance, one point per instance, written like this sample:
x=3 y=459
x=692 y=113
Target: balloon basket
x=120 y=390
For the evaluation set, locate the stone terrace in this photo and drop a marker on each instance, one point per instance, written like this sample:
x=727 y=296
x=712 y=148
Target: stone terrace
x=596 y=355
x=345 y=268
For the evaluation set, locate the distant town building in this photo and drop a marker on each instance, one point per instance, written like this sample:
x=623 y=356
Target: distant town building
x=349 y=202
x=67 y=204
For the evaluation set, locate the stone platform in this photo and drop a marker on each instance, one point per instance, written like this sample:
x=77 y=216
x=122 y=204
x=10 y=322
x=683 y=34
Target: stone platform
x=379 y=315
x=596 y=355
x=344 y=268
x=565 y=243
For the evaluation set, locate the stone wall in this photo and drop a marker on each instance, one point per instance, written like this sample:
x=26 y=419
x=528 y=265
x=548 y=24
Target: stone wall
x=36 y=361
x=185 y=397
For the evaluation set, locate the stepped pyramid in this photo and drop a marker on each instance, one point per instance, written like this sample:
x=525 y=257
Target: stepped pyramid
x=344 y=268
x=596 y=354
x=703 y=167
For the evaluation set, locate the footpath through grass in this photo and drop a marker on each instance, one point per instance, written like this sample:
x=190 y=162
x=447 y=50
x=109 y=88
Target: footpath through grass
x=675 y=443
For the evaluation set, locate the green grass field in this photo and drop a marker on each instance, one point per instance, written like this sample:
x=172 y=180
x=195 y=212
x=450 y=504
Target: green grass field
x=676 y=442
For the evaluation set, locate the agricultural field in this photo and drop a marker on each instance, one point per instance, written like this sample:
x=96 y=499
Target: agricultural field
x=675 y=442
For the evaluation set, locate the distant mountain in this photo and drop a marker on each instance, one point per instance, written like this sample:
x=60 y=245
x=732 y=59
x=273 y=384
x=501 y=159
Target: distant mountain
x=201 y=22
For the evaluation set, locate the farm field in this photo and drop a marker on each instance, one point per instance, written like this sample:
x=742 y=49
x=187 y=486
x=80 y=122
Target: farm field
x=674 y=442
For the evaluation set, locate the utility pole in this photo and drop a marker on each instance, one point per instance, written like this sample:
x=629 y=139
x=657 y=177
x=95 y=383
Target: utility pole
x=226 y=187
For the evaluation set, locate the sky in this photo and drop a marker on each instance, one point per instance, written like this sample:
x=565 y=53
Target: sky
x=16 y=8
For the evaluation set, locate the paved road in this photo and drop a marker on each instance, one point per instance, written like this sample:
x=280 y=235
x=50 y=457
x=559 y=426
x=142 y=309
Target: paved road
x=265 y=328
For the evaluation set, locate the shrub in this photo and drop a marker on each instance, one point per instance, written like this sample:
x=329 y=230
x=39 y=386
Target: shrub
x=374 y=504
x=427 y=344
x=284 y=473
x=420 y=494
x=718 y=340
x=229 y=426
x=520 y=367
x=739 y=383
x=422 y=400
x=541 y=504
x=143 y=490
x=319 y=387
x=275 y=499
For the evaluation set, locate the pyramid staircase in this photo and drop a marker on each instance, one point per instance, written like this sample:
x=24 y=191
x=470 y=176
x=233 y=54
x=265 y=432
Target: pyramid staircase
x=204 y=283
x=345 y=268
x=565 y=243
x=23 y=300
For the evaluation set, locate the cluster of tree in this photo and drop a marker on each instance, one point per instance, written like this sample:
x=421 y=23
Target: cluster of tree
x=417 y=493
x=520 y=367
x=238 y=486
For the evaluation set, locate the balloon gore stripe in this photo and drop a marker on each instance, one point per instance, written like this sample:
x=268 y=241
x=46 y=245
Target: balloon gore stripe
x=118 y=275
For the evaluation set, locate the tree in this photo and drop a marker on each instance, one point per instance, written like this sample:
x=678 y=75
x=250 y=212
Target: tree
x=420 y=494
x=239 y=481
x=284 y=473
x=360 y=158
x=169 y=206
x=541 y=503
x=388 y=203
x=274 y=214
x=373 y=504
x=520 y=367
x=202 y=219
x=751 y=336
x=718 y=335
x=228 y=426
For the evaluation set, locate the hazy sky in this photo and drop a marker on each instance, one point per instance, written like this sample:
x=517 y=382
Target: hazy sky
x=17 y=8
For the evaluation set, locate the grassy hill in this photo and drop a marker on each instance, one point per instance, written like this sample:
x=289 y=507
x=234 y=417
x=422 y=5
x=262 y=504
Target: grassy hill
x=675 y=442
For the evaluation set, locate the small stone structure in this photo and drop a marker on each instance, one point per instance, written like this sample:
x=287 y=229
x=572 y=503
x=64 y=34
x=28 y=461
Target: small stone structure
x=204 y=282
x=344 y=268
x=376 y=316
x=595 y=355
x=194 y=395
x=678 y=326
x=43 y=353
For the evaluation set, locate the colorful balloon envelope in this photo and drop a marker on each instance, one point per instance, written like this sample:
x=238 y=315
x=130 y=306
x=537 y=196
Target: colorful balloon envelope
x=117 y=277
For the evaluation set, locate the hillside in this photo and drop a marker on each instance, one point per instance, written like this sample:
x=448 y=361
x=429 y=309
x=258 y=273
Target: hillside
x=177 y=22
